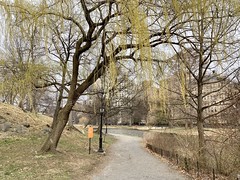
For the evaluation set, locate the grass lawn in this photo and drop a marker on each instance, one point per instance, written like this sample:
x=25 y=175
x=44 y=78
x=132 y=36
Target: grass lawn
x=20 y=157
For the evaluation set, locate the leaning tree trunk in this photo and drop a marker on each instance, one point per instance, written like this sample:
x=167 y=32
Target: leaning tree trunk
x=55 y=117
x=60 y=97
x=53 y=138
x=73 y=95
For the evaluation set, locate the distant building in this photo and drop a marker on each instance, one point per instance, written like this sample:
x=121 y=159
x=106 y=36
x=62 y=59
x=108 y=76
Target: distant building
x=218 y=99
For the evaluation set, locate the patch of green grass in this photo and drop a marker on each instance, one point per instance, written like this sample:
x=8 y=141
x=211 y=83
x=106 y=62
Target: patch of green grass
x=7 y=141
x=12 y=168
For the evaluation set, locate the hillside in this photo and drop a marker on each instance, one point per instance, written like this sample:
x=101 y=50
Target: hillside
x=21 y=137
x=15 y=120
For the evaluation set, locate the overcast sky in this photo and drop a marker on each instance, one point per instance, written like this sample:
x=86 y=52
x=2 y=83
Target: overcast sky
x=1 y=32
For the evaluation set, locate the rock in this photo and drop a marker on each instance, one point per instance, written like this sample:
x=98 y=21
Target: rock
x=47 y=129
x=18 y=129
x=6 y=126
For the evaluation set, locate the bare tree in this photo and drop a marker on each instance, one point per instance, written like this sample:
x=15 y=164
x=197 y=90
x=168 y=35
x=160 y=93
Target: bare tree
x=207 y=54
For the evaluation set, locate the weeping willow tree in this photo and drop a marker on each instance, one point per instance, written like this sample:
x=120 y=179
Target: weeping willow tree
x=90 y=20
x=18 y=82
x=21 y=66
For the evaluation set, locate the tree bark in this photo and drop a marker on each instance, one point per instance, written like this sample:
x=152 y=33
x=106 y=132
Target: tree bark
x=60 y=97
x=70 y=120
x=201 y=142
x=51 y=144
x=200 y=121
x=20 y=104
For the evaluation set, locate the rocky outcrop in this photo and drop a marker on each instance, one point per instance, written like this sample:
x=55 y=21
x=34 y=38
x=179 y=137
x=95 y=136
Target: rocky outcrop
x=6 y=126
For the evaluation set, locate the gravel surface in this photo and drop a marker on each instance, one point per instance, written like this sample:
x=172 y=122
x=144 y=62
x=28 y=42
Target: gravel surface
x=129 y=160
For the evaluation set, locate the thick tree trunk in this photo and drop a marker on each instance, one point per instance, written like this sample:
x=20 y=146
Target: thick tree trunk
x=51 y=144
x=200 y=121
x=60 y=97
x=70 y=120
x=201 y=143
x=55 y=117
x=200 y=118
x=32 y=104
x=20 y=104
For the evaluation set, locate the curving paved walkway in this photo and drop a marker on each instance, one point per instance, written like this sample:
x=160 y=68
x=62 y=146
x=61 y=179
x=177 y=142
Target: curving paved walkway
x=128 y=160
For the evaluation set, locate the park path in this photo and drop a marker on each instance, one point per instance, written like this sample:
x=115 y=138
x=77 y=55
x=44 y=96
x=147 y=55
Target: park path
x=129 y=160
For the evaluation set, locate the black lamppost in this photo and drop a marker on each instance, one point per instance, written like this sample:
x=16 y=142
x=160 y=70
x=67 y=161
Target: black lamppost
x=101 y=124
x=106 y=124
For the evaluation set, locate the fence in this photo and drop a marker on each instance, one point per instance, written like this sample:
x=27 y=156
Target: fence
x=222 y=160
x=187 y=164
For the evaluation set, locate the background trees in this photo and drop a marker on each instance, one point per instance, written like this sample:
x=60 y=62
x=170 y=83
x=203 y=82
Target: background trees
x=23 y=69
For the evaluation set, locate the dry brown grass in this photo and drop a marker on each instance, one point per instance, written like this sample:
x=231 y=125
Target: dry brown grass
x=20 y=157
x=16 y=115
x=222 y=145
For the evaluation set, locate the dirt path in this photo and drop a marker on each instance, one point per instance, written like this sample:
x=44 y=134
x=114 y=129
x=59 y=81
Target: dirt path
x=128 y=160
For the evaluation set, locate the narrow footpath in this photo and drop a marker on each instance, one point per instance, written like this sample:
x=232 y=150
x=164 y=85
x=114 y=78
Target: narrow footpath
x=129 y=160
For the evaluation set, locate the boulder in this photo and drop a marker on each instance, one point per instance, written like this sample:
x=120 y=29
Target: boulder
x=6 y=126
x=20 y=129
x=47 y=129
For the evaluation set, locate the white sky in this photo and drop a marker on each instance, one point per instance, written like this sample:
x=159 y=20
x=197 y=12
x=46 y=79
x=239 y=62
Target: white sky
x=1 y=32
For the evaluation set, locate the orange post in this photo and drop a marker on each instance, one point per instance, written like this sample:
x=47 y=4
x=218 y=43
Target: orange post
x=90 y=136
x=90 y=132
